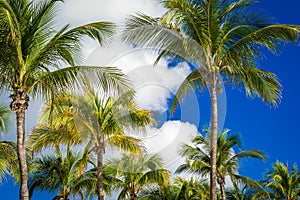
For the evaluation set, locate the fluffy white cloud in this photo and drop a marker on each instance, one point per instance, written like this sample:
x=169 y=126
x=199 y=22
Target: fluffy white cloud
x=82 y=11
x=166 y=141
x=153 y=84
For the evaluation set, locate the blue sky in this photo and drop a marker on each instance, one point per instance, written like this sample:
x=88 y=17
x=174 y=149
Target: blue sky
x=273 y=130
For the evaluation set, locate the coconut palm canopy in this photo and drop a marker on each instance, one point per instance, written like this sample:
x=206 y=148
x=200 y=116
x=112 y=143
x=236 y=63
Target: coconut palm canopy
x=273 y=127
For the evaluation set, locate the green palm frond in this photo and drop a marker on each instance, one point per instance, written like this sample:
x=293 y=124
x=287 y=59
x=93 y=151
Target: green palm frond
x=136 y=172
x=159 y=176
x=271 y=37
x=125 y=143
x=151 y=33
x=280 y=183
x=195 y=80
x=51 y=173
x=197 y=156
x=109 y=79
x=46 y=136
x=8 y=158
x=250 y=154
x=257 y=83
x=100 y=31
x=4 y=118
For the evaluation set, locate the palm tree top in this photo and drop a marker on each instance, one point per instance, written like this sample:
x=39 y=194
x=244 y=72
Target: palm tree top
x=213 y=35
x=34 y=53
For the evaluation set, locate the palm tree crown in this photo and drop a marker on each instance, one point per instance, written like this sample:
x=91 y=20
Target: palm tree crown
x=198 y=158
x=280 y=183
x=135 y=172
x=93 y=121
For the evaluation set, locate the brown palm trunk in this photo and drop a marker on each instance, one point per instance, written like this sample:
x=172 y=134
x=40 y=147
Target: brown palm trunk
x=133 y=196
x=19 y=104
x=221 y=182
x=21 y=151
x=213 y=139
x=100 y=152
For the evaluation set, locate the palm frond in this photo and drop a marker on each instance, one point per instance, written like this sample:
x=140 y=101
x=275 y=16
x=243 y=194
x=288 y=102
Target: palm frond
x=195 y=80
x=4 y=118
x=257 y=83
x=125 y=143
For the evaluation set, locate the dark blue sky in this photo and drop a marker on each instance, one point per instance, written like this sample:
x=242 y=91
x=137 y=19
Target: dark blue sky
x=273 y=130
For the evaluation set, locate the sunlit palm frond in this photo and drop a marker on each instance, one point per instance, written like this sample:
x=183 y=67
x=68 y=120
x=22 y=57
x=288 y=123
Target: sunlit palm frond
x=257 y=83
x=195 y=80
x=125 y=143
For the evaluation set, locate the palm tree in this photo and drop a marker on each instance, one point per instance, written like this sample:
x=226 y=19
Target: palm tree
x=65 y=174
x=280 y=183
x=198 y=158
x=32 y=53
x=68 y=174
x=180 y=189
x=243 y=189
x=96 y=122
x=135 y=172
x=223 y=39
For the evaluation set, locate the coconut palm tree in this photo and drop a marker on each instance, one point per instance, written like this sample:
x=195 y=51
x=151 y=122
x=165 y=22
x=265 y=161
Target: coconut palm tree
x=32 y=54
x=68 y=174
x=65 y=174
x=198 y=158
x=180 y=189
x=243 y=189
x=280 y=183
x=223 y=39
x=134 y=172
x=93 y=121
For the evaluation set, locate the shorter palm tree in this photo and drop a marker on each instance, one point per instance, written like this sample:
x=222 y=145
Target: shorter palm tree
x=280 y=183
x=243 y=189
x=198 y=158
x=135 y=172
x=66 y=175
x=180 y=189
x=93 y=121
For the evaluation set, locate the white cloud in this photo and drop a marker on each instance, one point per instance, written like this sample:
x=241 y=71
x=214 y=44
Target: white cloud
x=82 y=11
x=167 y=140
x=153 y=84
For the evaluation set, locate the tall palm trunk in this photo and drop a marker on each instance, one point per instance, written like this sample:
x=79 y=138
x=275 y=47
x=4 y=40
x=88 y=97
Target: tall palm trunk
x=21 y=151
x=213 y=138
x=19 y=104
x=100 y=152
x=221 y=182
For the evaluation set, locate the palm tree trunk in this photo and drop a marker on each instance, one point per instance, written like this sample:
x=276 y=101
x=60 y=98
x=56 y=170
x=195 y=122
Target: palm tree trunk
x=221 y=182
x=213 y=139
x=223 y=194
x=19 y=104
x=100 y=152
x=21 y=151
x=133 y=196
